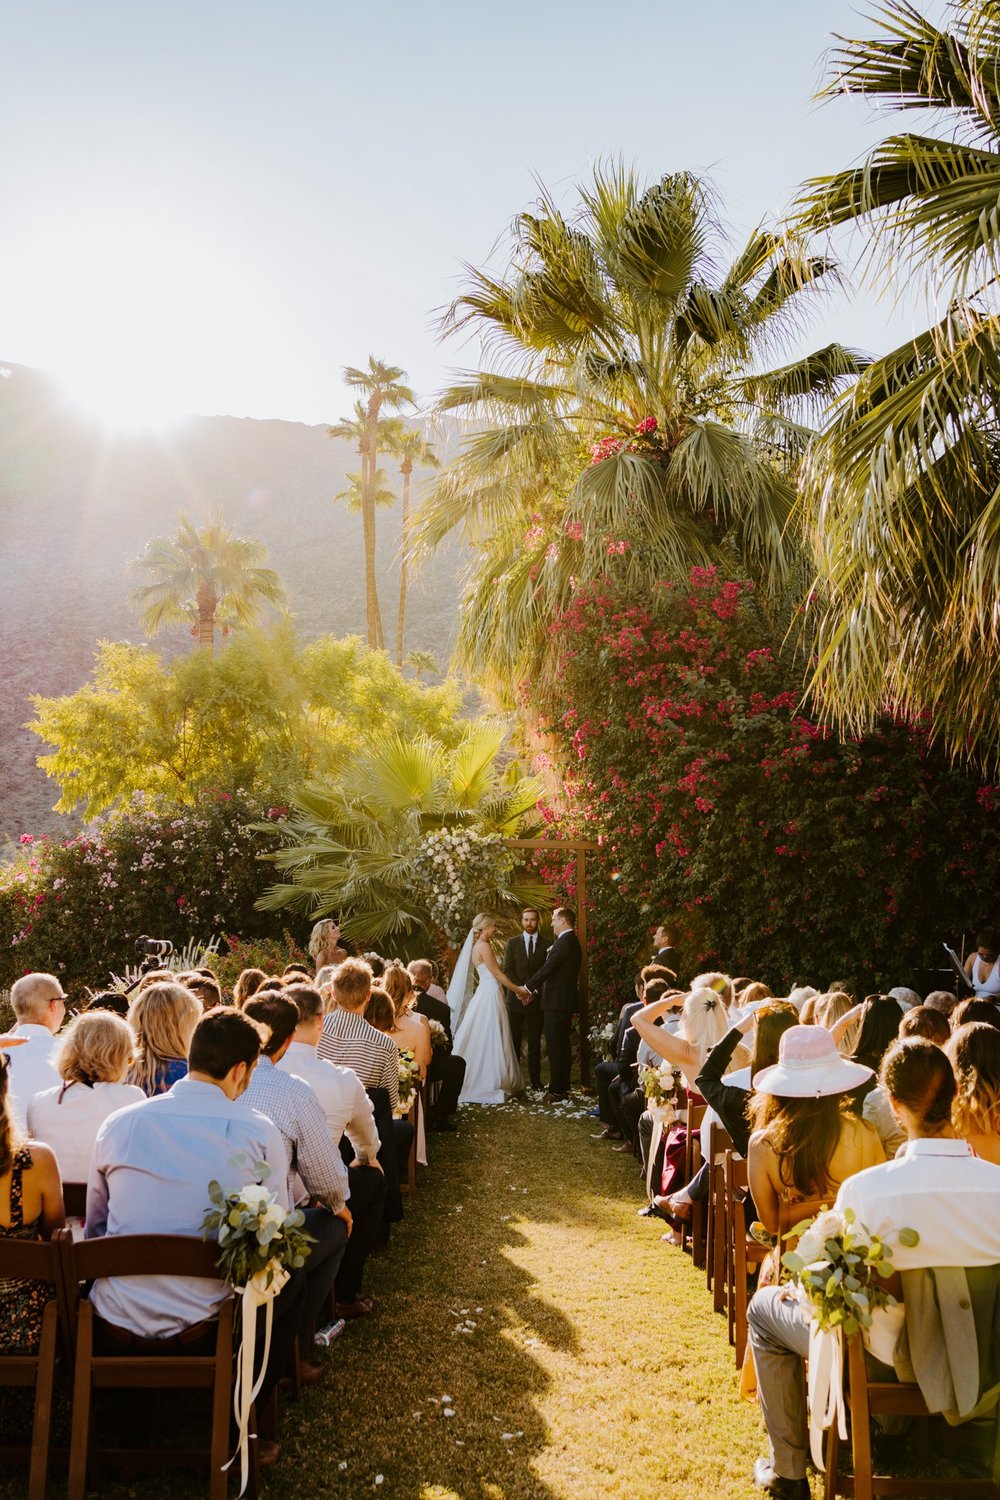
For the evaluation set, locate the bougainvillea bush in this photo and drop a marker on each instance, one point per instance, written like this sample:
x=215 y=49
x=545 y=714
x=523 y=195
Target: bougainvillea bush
x=778 y=849
x=76 y=906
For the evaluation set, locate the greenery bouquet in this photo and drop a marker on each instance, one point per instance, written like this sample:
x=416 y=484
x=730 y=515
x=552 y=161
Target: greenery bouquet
x=663 y=1088
x=409 y=1075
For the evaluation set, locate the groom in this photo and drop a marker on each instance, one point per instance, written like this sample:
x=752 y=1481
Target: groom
x=523 y=957
x=556 y=981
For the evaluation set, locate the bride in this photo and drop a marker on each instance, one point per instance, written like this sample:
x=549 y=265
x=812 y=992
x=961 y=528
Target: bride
x=481 y=1028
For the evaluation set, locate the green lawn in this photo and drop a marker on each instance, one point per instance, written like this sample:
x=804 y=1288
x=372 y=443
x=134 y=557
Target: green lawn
x=579 y=1356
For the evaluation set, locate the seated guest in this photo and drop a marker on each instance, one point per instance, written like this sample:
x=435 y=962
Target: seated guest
x=805 y=1140
x=347 y=1038
x=607 y=1070
x=975 y=1010
x=800 y=993
x=445 y=1069
x=904 y=997
x=163 y=1018
x=720 y=983
x=112 y=1000
x=151 y=1169
x=248 y=983
x=876 y=1021
x=155 y=976
x=941 y=1000
x=974 y=1051
x=272 y=985
x=379 y=1011
x=376 y=963
x=704 y=1021
x=936 y=1187
x=410 y=1031
x=31 y=1189
x=39 y=1006
x=93 y=1059
x=828 y=1009
x=208 y=989
x=434 y=988
x=349 y=1113
x=297 y=974
x=626 y=1097
x=932 y=1026
x=317 y=1180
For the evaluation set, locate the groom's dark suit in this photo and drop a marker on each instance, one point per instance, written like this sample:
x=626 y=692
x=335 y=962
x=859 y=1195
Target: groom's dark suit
x=521 y=962
x=556 y=982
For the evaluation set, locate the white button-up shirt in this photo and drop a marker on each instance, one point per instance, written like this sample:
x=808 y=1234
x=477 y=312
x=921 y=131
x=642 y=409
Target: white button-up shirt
x=68 y=1118
x=342 y=1097
x=150 y=1173
x=950 y=1197
x=32 y=1068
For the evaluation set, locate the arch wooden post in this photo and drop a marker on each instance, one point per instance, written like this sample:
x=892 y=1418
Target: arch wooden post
x=579 y=847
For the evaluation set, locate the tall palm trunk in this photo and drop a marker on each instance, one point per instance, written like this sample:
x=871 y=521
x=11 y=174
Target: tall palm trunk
x=369 y=465
x=207 y=605
x=406 y=469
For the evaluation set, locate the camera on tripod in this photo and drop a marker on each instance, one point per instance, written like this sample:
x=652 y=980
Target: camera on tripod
x=154 y=947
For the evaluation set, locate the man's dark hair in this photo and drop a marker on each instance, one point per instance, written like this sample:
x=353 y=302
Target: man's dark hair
x=655 y=989
x=307 y=1001
x=291 y=969
x=279 y=1014
x=111 y=1000
x=916 y=1073
x=376 y=963
x=988 y=939
x=223 y=1038
x=656 y=971
x=926 y=1022
x=209 y=991
x=566 y=914
x=206 y=973
x=272 y=985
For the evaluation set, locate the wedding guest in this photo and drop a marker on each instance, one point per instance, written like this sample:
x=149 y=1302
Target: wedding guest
x=152 y=1163
x=317 y=1180
x=974 y=1051
x=248 y=983
x=720 y=983
x=349 y=1115
x=446 y=1070
x=805 y=1140
x=93 y=1058
x=208 y=989
x=155 y=976
x=411 y=1031
x=325 y=945
x=112 y=1000
x=936 y=1187
x=609 y=1068
x=924 y=1021
x=828 y=1008
x=942 y=1000
x=379 y=1010
x=800 y=993
x=163 y=1018
x=349 y=1039
x=626 y=1097
x=31 y=1188
x=930 y=1025
x=975 y=1010
x=876 y=1023
x=434 y=989
x=39 y=1005
x=376 y=963
x=664 y=952
x=704 y=1020
x=295 y=973
x=272 y=985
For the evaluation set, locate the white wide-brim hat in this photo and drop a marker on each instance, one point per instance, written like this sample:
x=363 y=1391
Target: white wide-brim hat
x=810 y=1067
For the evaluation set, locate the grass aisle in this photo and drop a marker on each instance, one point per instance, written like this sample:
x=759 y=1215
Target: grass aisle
x=579 y=1356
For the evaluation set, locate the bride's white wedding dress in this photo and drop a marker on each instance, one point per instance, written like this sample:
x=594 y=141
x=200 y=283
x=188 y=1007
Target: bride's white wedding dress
x=483 y=1038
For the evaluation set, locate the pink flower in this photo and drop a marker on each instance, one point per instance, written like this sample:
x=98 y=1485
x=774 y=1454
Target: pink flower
x=27 y=838
x=181 y=902
x=606 y=448
x=574 y=530
x=648 y=424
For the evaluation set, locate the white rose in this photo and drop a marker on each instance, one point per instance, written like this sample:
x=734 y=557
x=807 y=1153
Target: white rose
x=828 y=1226
x=253 y=1195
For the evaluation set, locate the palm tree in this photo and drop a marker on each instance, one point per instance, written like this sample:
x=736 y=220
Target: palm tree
x=905 y=484
x=410 y=447
x=354 y=842
x=353 y=494
x=628 y=419
x=382 y=387
x=208 y=578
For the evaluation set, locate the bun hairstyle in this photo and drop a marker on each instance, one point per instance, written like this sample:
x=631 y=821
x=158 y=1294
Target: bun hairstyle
x=480 y=920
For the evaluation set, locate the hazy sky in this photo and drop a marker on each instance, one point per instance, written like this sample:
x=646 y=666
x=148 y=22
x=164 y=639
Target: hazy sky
x=213 y=206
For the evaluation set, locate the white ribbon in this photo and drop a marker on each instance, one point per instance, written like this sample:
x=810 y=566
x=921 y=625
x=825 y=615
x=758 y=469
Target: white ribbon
x=826 y=1387
x=256 y=1294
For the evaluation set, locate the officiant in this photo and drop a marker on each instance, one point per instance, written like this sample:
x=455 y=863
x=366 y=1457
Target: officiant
x=522 y=958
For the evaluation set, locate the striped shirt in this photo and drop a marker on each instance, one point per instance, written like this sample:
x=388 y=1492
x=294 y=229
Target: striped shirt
x=353 y=1042
x=292 y=1106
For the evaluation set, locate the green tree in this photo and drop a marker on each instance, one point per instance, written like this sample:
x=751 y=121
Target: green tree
x=205 y=577
x=353 y=494
x=357 y=842
x=382 y=387
x=628 y=420
x=411 y=448
x=264 y=714
x=905 y=484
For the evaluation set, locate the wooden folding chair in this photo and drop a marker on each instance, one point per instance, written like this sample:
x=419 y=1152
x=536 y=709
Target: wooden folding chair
x=409 y=1187
x=870 y=1398
x=693 y=1232
x=720 y=1142
x=146 y=1255
x=35 y=1260
x=743 y=1253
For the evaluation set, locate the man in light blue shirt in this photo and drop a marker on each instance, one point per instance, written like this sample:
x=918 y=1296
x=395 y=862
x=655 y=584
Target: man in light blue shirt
x=150 y=1172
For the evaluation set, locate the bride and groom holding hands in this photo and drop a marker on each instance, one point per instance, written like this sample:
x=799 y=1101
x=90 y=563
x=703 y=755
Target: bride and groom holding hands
x=534 y=990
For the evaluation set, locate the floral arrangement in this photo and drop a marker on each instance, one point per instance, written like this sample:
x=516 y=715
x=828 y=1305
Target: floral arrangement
x=664 y=1091
x=409 y=1077
x=439 y=1037
x=601 y=1038
x=258 y=1240
x=453 y=869
x=840 y=1266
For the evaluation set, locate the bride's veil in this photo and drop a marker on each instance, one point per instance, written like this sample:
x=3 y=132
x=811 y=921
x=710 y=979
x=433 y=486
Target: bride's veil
x=460 y=988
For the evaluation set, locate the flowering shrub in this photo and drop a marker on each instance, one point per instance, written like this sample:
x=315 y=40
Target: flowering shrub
x=76 y=907
x=777 y=848
x=452 y=870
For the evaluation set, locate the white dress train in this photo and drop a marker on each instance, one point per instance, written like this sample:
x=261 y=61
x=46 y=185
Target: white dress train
x=492 y=1073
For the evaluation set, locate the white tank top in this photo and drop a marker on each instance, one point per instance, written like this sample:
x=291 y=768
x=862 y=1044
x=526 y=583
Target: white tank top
x=989 y=987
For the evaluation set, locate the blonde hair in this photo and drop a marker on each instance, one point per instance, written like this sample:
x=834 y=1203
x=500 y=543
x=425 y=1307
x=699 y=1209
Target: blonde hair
x=828 y=1009
x=480 y=920
x=974 y=1053
x=751 y=992
x=163 y=1018
x=398 y=985
x=720 y=984
x=352 y=983
x=317 y=938
x=704 y=1021
x=96 y=1047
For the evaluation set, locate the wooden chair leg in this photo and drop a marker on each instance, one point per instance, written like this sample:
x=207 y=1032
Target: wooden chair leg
x=44 y=1380
x=832 y=1459
x=222 y=1393
x=719 y=1246
x=698 y=1240
x=861 y=1435
x=710 y=1234
x=79 y=1445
